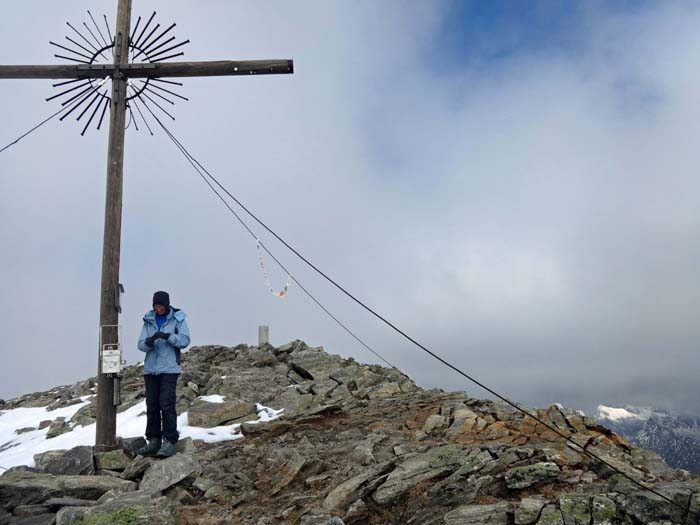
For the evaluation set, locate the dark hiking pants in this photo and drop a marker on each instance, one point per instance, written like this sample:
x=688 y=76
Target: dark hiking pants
x=161 y=417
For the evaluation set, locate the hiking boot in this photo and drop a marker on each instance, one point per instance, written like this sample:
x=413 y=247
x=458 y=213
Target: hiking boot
x=151 y=449
x=167 y=449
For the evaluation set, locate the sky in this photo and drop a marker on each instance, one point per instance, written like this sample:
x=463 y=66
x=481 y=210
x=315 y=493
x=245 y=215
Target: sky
x=512 y=183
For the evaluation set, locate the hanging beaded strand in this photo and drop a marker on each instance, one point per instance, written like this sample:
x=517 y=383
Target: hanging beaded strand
x=283 y=292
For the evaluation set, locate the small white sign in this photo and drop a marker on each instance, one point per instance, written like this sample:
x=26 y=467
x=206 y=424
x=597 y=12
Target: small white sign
x=111 y=360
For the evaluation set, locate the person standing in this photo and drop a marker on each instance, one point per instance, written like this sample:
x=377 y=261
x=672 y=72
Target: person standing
x=164 y=334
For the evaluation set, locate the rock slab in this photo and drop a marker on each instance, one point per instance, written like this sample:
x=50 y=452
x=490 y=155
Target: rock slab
x=167 y=472
x=24 y=488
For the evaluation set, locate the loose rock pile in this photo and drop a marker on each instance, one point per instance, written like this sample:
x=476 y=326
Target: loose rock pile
x=357 y=444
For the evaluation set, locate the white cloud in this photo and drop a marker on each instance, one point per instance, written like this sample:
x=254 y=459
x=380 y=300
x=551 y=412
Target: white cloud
x=525 y=218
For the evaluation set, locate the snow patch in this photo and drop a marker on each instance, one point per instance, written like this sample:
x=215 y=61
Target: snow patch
x=215 y=398
x=266 y=414
x=615 y=414
x=19 y=449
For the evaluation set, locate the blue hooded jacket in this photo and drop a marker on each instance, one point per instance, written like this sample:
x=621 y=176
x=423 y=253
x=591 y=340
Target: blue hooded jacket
x=161 y=358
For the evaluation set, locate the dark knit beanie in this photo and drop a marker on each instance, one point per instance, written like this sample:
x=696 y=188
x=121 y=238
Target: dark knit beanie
x=161 y=298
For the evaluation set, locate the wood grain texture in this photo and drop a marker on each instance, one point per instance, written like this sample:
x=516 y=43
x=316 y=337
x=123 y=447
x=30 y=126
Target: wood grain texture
x=106 y=427
x=164 y=69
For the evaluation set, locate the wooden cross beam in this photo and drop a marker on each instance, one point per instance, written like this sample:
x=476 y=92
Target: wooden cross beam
x=145 y=70
x=120 y=71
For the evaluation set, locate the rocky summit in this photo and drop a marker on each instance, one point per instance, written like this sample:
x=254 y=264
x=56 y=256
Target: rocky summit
x=355 y=444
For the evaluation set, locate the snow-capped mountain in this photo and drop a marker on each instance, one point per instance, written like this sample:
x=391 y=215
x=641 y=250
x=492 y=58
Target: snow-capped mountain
x=673 y=435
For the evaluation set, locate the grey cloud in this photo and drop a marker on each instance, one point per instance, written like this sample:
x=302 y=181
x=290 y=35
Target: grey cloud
x=534 y=221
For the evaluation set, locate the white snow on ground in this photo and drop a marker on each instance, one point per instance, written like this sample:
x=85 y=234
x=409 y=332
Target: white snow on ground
x=23 y=446
x=215 y=398
x=615 y=414
x=266 y=414
x=19 y=449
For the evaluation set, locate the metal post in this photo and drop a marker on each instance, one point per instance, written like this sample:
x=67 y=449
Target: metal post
x=263 y=335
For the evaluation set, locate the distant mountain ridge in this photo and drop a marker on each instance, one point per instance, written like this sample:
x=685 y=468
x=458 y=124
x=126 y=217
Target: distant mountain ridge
x=673 y=435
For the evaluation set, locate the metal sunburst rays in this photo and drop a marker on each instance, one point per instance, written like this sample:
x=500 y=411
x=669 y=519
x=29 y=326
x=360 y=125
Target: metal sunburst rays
x=93 y=44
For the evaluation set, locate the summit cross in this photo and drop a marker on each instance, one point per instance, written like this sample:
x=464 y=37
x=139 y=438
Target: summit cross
x=120 y=71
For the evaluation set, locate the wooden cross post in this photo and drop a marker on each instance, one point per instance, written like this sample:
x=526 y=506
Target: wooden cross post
x=120 y=71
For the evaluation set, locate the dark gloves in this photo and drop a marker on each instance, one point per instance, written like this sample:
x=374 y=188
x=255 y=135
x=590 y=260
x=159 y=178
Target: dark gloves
x=151 y=341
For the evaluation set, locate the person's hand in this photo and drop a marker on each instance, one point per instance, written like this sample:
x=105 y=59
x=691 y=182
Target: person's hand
x=149 y=341
x=161 y=335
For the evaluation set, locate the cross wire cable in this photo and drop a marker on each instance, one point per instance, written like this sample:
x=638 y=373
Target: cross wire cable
x=262 y=245
x=69 y=106
x=34 y=129
x=491 y=391
x=549 y=426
